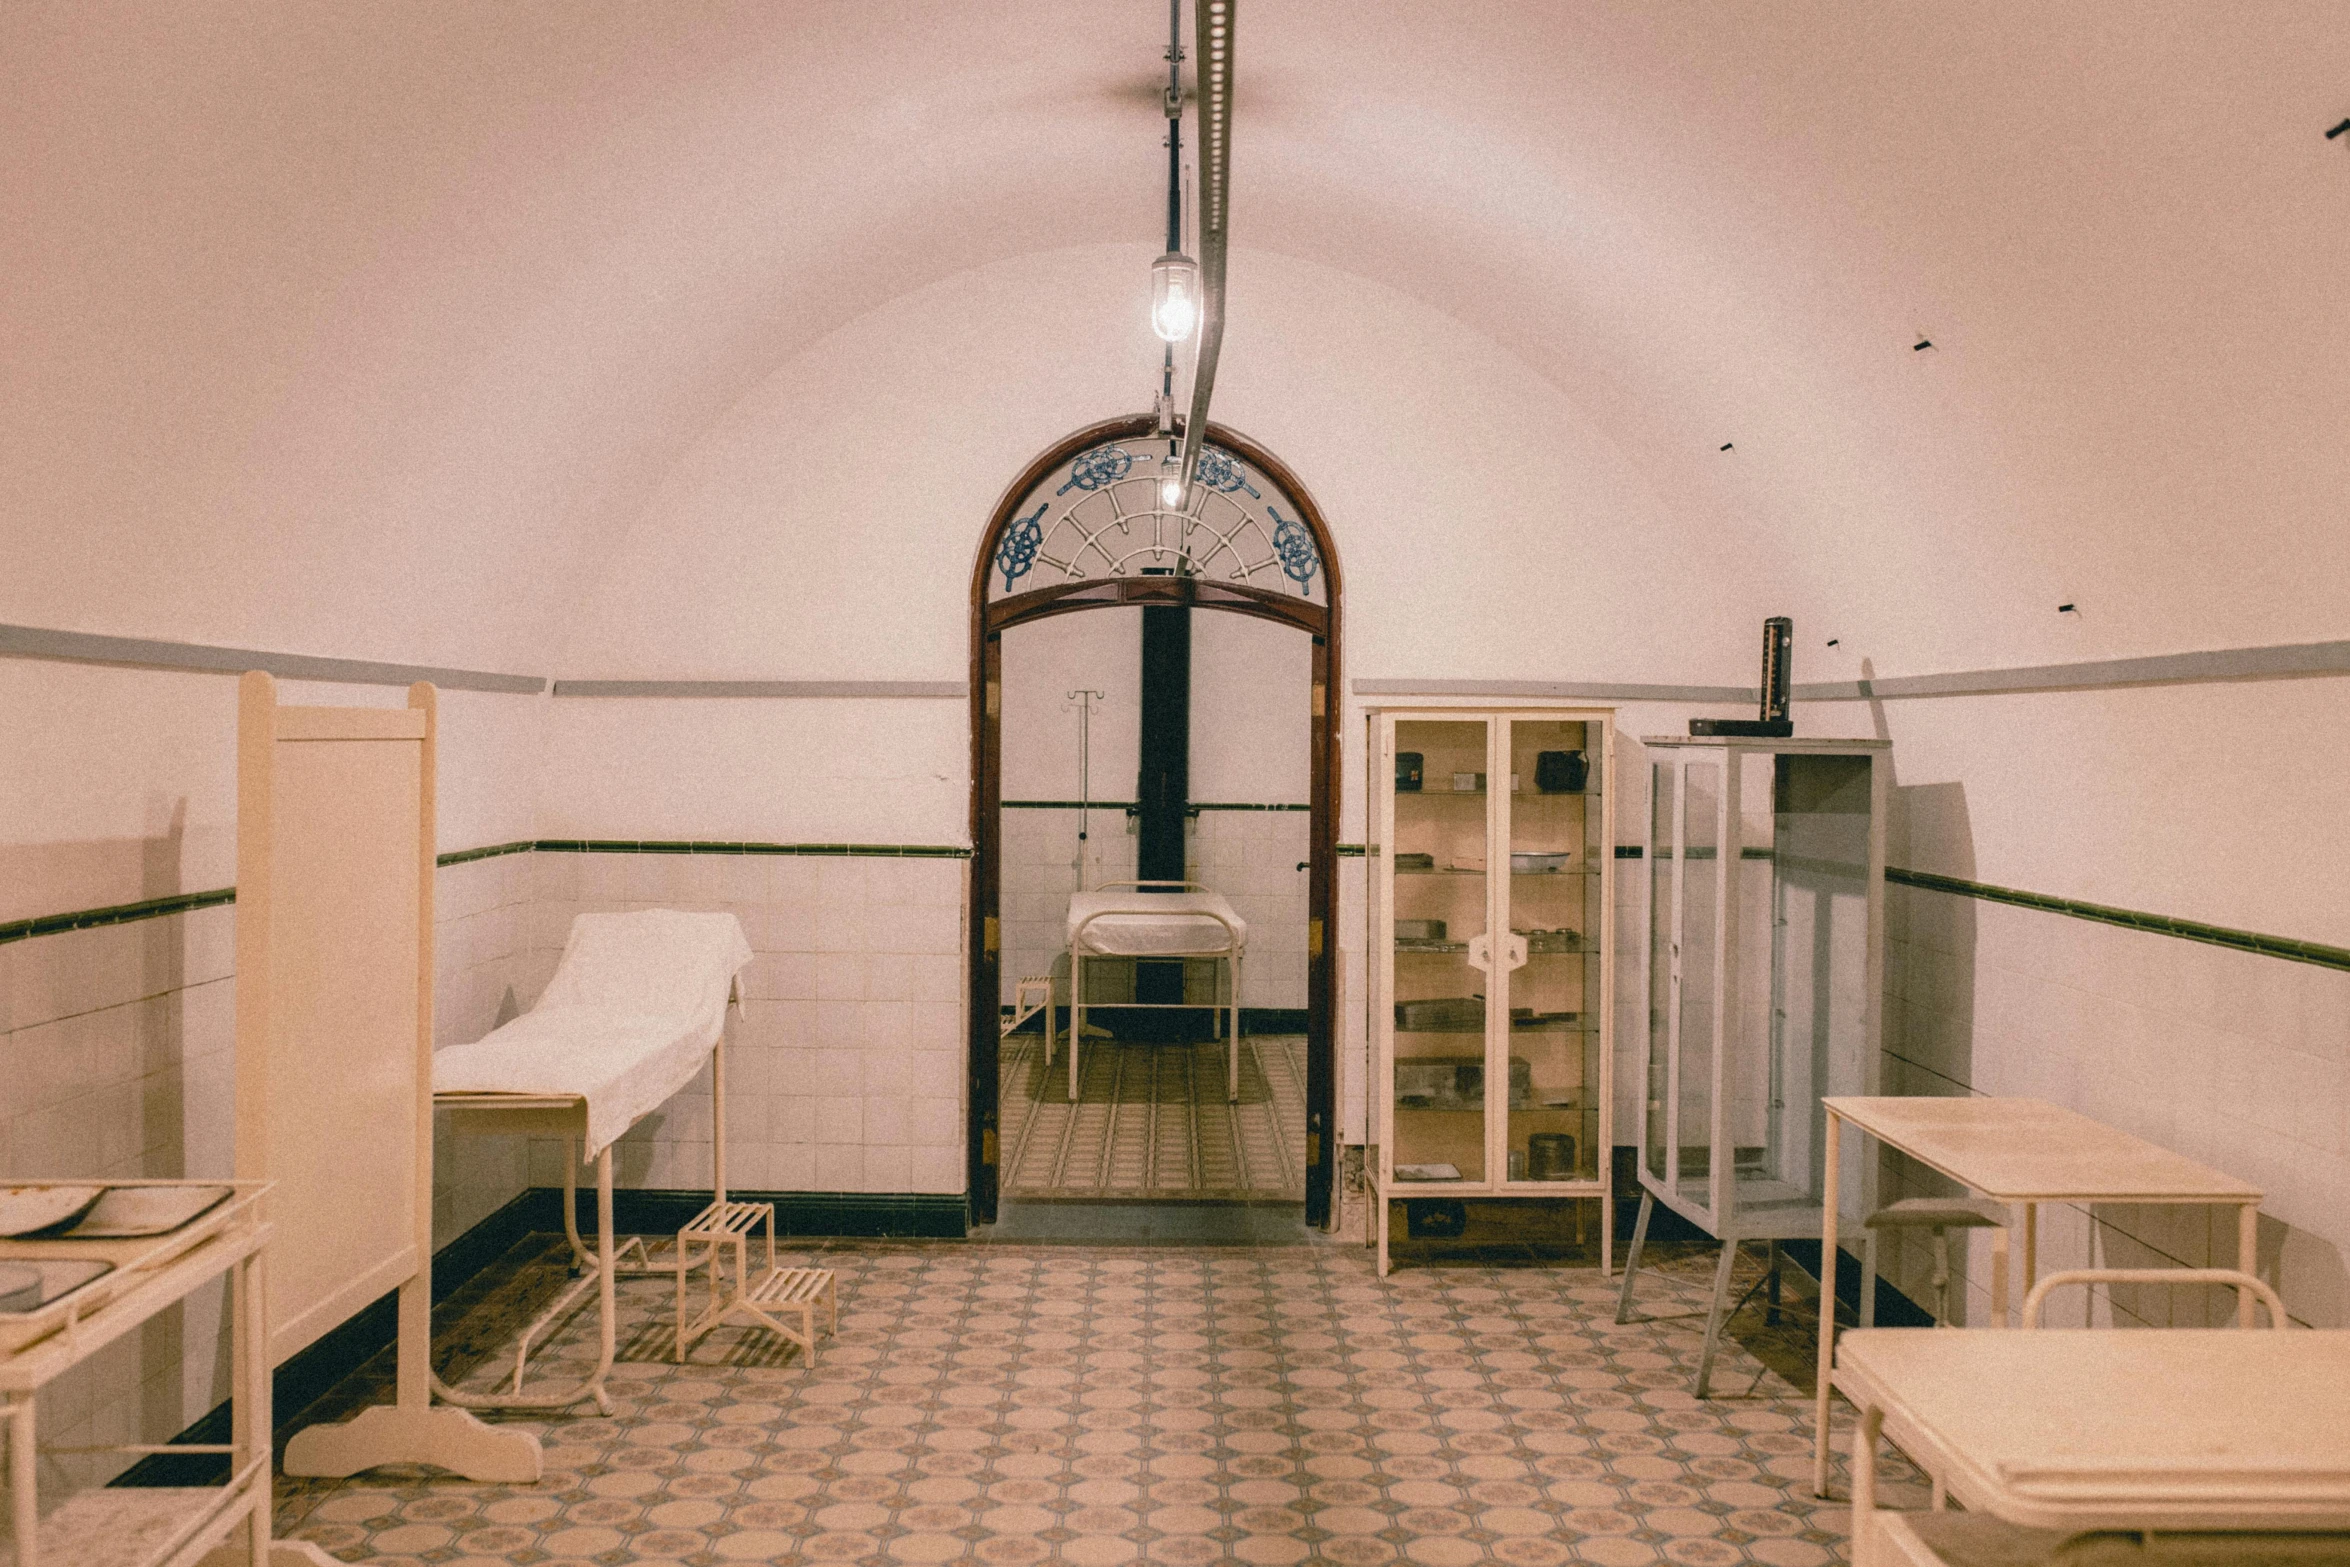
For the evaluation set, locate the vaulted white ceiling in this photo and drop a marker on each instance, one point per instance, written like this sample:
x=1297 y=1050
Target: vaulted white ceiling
x=366 y=329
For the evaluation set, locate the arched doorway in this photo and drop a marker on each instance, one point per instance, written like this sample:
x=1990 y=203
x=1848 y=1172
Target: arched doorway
x=1077 y=531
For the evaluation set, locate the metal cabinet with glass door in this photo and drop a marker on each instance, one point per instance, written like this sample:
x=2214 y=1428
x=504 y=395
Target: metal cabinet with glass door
x=1761 y=961
x=1492 y=866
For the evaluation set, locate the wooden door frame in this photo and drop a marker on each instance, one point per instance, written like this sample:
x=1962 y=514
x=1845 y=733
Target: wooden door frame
x=989 y=621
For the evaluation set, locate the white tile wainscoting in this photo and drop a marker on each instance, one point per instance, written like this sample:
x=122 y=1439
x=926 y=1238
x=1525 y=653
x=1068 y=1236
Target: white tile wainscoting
x=2235 y=1058
x=845 y=1073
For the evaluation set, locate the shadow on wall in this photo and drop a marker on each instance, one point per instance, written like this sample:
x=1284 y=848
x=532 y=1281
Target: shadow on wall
x=1929 y=1000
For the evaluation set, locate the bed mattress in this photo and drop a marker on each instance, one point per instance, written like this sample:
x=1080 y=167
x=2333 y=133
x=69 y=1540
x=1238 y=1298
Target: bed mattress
x=1153 y=924
x=630 y=1016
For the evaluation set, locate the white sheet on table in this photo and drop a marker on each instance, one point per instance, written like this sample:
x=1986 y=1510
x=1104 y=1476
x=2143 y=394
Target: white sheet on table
x=631 y=1014
x=1153 y=924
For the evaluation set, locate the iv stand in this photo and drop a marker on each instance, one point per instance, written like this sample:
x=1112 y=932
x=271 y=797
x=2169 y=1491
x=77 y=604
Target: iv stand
x=1084 y=700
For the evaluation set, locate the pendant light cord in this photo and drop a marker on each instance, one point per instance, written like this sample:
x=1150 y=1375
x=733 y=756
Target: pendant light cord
x=1174 y=107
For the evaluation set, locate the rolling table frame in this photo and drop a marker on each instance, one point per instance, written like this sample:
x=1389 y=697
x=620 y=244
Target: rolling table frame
x=236 y=1250
x=2124 y=1467
x=2009 y=1181
x=564 y=1116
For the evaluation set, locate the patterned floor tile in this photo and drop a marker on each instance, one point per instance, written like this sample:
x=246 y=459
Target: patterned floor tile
x=1008 y=1405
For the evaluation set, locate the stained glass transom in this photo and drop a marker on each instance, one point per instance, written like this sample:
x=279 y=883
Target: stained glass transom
x=1100 y=515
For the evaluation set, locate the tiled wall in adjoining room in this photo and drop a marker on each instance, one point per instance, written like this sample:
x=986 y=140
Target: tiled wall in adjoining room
x=1253 y=858
x=1250 y=856
x=846 y=1070
x=1040 y=870
x=2233 y=1058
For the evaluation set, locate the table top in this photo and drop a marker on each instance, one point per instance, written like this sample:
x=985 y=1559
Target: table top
x=2028 y=1150
x=2205 y=1428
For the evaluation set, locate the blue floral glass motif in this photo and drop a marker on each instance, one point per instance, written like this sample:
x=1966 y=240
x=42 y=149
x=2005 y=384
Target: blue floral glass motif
x=1017 y=553
x=1218 y=471
x=1299 y=559
x=1103 y=465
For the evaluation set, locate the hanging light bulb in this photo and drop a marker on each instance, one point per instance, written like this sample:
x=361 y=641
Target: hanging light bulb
x=1174 y=296
x=1171 y=482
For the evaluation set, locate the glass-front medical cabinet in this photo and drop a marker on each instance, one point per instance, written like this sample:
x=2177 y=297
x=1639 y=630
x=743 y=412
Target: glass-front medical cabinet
x=1762 y=952
x=1491 y=921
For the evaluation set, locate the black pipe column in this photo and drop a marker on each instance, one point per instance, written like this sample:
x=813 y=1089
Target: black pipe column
x=1163 y=795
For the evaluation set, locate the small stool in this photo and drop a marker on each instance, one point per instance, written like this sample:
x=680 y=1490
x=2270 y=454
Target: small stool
x=795 y=1290
x=1940 y=1215
x=727 y=1226
x=1030 y=996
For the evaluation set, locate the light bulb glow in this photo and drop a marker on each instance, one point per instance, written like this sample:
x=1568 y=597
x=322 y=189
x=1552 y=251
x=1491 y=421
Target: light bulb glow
x=1171 y=483
x=1174 y=296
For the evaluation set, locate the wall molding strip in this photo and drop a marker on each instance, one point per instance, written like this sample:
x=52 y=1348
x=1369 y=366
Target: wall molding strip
x=83 y=647
x=787 y=690
x=2289 y=661
x=2133 y=919
x=2286 y=661
x=1567 y=690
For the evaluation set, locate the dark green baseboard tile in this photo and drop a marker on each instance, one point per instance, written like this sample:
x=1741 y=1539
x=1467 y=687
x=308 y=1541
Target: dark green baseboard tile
x=803 y=1215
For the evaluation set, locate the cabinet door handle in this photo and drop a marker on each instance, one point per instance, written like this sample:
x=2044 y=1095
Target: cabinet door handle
x=1481 y=954
x=1516 y=950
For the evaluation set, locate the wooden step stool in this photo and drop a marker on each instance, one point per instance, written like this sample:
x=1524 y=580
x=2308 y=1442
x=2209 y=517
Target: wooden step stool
x=725 y=1227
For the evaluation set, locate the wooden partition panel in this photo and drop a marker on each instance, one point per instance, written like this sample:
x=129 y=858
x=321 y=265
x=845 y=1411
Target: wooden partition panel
x=334 y=998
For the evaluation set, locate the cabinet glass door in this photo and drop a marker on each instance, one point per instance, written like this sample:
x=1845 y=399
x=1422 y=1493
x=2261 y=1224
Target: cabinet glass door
x=1663 y=956
x=1552 y=953
x=1696 y=978
x=1812 y=897
x=1438 y=856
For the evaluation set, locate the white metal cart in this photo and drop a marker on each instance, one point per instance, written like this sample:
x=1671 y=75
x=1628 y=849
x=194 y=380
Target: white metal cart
x=170 y=1526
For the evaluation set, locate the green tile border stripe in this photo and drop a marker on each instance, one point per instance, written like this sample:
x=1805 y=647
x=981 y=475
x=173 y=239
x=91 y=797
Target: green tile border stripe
x=885 y=851
x=117 y=914
x=2130 y=919
x=491 y=852
x=1128 y=805
x=187 y=902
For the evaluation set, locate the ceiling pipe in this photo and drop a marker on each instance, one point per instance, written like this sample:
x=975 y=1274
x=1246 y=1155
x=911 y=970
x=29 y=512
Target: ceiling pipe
x=1213 y=53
